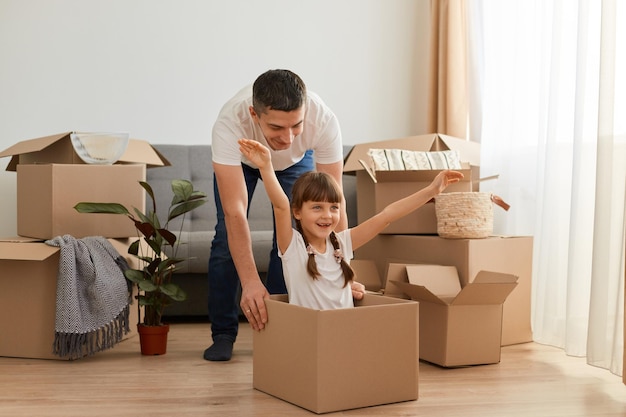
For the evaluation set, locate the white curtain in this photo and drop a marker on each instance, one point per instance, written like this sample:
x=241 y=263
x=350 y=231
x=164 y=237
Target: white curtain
x=549 y=107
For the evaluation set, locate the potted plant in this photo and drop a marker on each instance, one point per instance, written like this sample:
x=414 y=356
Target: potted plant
x=153 y=279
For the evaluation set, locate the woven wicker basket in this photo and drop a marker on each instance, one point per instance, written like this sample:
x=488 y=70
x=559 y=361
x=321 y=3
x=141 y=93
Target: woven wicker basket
x=464 y=215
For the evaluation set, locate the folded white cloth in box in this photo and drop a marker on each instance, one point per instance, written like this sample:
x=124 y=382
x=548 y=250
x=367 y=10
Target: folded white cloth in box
x=404 y=160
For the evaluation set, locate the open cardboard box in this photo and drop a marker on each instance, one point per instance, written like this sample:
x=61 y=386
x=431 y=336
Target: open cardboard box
x=333 y=360
x=376 y=190
x=506 y=254
x=51 y=179
x=458 y=326
x=28 y=276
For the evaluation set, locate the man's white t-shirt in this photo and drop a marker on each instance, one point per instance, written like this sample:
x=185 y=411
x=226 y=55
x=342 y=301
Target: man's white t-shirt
x=320 y=132
x=327 y=291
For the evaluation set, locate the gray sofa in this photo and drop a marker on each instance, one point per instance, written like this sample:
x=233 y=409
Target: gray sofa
x=193 y=162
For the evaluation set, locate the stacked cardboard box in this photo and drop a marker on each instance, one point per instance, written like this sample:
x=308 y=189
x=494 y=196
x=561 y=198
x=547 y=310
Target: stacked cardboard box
x=51 y=179
x=414 y=239
x=377 y=189
x=28 y=275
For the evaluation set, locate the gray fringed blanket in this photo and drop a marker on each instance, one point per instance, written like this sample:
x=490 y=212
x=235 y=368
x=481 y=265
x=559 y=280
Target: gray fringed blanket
x=92 y=305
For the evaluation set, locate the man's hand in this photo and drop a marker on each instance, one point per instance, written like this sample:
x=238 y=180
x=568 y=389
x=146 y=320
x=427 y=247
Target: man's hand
x=358 y=290
x=253 y=295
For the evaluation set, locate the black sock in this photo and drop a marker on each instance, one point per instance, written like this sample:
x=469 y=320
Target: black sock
x=221 y=350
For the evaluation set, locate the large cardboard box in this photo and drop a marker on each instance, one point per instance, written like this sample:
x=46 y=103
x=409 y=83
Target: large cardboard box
x=28 y=276
x=376 y=190
x=47 y=194
x=51 y=179
x=341 y=359
x=458 y=326
x=512 y=255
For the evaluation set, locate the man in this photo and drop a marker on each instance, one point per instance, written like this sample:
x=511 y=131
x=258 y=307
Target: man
x=303 y=134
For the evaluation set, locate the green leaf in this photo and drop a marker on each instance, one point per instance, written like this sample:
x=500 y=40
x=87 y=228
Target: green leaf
x=106 y=208
x=150 y=193
x=146 y=259
x=156 y=245
x=182 y=190
x=174 y=292
x=147 y=285
x=143 y=301
x=133 y=249
x=185 y=207
x=134 y=275
x=148 y=188
x=171 y=261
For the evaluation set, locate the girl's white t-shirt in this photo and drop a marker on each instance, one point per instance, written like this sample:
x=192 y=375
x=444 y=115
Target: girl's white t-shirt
x=321 y=133
x=327 y=291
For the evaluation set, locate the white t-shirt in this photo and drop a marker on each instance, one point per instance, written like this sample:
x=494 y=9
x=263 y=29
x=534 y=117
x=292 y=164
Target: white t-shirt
x=320 y=132
x=327 y=291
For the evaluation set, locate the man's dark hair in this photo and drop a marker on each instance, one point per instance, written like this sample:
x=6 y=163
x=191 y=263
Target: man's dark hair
x=278 y=89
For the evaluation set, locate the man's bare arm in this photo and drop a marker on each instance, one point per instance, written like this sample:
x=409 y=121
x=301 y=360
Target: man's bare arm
x=234 y=198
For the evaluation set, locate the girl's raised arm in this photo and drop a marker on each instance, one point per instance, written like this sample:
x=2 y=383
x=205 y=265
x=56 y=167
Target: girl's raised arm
x=367 y=230
x=259 y=155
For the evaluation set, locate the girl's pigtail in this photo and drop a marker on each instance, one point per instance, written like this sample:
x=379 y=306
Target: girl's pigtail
x=348 y=272
x=311 y=265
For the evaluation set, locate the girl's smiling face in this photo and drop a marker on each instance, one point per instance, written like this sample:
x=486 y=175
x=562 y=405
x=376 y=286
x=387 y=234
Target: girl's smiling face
x=318 y=219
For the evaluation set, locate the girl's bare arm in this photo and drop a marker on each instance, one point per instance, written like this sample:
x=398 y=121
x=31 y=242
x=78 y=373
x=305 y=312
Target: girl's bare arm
x=367 y=230
x=260 y=156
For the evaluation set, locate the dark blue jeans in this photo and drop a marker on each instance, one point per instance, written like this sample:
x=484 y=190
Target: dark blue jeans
x=223 y=278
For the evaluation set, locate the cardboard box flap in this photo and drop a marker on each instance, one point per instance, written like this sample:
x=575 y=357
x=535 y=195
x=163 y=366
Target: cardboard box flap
x=419 y=293
x=487 y=277
x=138 y=151
x=26 y=250
x=487 y=288
x=33 y=145
x=470 y=151
x=366 y=273
x=441 y=285
x=441 y=280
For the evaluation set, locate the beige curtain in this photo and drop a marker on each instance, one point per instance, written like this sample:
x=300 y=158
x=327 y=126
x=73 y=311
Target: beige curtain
x=448 y=83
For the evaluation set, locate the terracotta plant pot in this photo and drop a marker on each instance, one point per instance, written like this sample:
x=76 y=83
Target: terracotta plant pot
x=153 y=339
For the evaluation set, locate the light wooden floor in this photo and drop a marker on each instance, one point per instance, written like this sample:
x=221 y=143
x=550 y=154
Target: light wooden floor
x=531 y=381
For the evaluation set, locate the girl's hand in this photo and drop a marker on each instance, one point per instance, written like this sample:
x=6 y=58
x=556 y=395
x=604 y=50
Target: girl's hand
x=358 y=290
x=256 y=153
x=445 y=178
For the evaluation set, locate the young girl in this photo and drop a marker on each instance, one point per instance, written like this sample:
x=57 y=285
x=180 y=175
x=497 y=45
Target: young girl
x=315 y=258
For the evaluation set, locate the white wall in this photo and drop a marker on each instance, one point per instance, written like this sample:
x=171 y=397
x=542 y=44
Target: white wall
x=161 y=69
